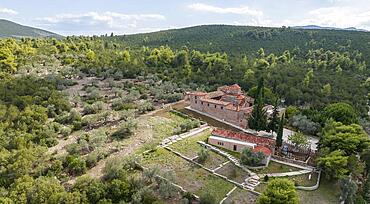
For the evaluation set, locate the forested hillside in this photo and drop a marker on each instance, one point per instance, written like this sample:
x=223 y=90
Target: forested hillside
x=236 y=40
x=11 y=29
x=83 y=96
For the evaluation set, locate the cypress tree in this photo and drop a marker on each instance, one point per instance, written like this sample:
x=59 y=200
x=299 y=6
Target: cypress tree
x=273 y=124
x=258 y=119
x=279 y=137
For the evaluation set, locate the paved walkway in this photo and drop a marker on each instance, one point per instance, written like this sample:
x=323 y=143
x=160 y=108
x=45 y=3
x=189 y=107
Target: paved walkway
x=310 y=168
x=175 y=138
x=292 y=173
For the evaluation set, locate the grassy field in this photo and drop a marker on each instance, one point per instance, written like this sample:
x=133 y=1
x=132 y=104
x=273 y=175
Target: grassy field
x=241 y=196
x=214 y=160
x=275 y=167
x=187 y=175
x=189 y=146
x=156 y=128
x=233 y=172
x=327 y=193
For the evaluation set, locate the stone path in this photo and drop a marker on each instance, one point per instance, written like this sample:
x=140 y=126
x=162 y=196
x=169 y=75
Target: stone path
x=228 y=194
x=175 y=138
x=292 y=173
x=221 y=165
x=227 y=155
x=249 y=183
x=311 y=168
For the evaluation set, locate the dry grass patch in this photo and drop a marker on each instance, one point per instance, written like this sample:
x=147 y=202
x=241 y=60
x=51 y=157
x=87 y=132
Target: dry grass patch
x=233 y=172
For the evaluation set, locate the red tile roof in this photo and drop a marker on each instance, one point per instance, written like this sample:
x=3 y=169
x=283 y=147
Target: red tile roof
x=262 y=149
x=261 y=141
x=234 y=87
x=196 y=93
x=215 y=101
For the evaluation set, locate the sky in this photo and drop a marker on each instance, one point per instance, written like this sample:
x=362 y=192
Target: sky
x=96 y=17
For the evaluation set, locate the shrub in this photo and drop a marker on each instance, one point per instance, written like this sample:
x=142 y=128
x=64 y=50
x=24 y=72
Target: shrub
x=166 y=189
x=119 y=190
x=95 y=156
x=76 y=165
x=250 y=158
x=126 y=129
x=203 y=155
x=117 y=168
x=303 y=124
x=207 y=198
x=187 y=125
x=94 y=108
x=65 y=131
x=299 y=140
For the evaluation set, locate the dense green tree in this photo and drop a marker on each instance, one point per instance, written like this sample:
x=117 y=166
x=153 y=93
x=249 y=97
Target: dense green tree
x=92 y=188
x=280 y=132
x=279 y=191
x=299 y=140
x=347 y=138
x=341 y=112
x=258 y=118
x=334 y=164
x=273 y=124
x=348 y=190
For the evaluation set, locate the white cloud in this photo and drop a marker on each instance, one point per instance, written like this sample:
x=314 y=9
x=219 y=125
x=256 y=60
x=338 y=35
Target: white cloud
x=94 y=22
x=243 y=10
x=8 y=11
x=339 y=17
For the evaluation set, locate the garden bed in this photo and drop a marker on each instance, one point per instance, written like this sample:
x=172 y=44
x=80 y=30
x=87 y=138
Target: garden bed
x=192 y=178
x=189 y=146
x=241 y=196
x=275 y=167
x=233 y=172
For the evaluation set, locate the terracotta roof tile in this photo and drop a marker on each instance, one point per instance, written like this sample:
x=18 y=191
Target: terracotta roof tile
x=262 y=149
x=197 y=93
x=261 y=141
x=217 y=102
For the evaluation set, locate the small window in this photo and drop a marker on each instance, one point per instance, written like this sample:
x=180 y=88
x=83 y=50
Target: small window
x=201 y=102
x=222 y=107
x=215 y=106
x=208 y=104
x=196 y=97
x=196 y=101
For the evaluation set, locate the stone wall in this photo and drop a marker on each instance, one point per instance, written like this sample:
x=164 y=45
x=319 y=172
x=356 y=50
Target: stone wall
x=226 y=145
x=219 y=111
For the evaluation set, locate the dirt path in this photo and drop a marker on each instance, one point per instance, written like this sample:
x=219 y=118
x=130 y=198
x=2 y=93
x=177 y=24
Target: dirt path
x=62 y=143
x=144 y=133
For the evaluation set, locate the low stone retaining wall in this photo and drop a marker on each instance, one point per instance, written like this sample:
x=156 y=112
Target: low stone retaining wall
x=311 y=188
x=229 y=157
x=175 y=138
x=292 y=162
x=180 y=188
x=228 y=194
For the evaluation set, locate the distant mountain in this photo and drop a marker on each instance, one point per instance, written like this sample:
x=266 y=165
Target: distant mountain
x=11 y=29
x=329 y=28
